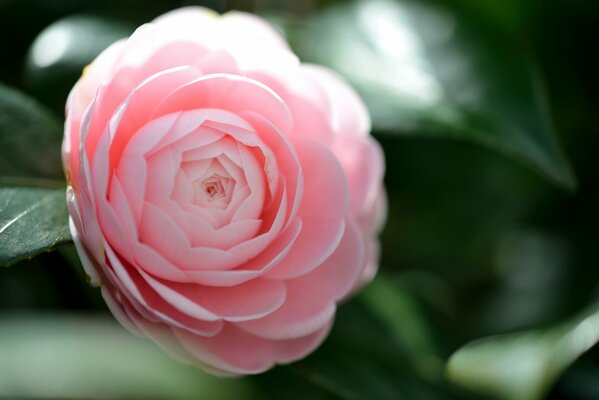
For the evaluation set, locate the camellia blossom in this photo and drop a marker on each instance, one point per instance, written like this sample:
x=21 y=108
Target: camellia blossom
x=223 y=195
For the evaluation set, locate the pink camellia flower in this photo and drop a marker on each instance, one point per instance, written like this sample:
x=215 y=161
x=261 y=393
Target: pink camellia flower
x=225 y=196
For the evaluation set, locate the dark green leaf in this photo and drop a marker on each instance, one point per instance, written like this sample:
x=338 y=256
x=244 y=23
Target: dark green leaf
x=523 y=366
x=32 y=220
x=389 y=301
x=426 y=70
x=30 y=139
x=49 y=357
x=33 y=214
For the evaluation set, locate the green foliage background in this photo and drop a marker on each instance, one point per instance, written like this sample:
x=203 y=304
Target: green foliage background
x=488 y=287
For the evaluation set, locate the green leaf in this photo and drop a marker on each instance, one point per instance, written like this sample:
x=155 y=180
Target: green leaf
x=30 y=139
x=32 y=220
x=33 y=214
x=50 y=357
x=387 y=299
x=426 y=70
x=523 y=366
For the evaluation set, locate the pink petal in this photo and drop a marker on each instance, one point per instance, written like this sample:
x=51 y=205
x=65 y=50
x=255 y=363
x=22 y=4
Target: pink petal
x=250 y=300
x=118 y=312
x=269 y=230
x=79 y=99
x=121 y=232
x=132 y=169
x=296 y=349
x=342 y=270
x=349 y=115
x=160 y=232
x=240 y=25
x=232 y=350
x=318 y=239
x=363 y=161
x=115 y=92
x=141 y=100
x=287 y=159
x=222 y=278
x=161 y=334
x=89 y=266
x=326 y=194
x=218 y=61
x=305 y=311
x=323 y=209
x=133 y=285
x=306 y=101
x=270 y=257
x=227 y=92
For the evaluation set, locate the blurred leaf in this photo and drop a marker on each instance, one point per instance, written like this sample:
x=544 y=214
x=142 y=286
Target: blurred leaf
x=530 y=267
x=94 y=358
x=30 y=139
x=389 y=301
x=32 y=220
x=60 y=52
x=286 y=383
x=523 y=366
x=579 y=382
x=424 y=70
x=510 y=14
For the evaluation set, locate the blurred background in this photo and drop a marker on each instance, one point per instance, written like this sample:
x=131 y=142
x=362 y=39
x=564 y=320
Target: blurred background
x=488 y=286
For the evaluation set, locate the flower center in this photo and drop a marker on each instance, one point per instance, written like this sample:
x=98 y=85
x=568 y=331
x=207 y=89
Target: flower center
x=215 y=187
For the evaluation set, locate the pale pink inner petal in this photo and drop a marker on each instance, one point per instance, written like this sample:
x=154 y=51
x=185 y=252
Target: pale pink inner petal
x=193 y=172
x=267 y=259
x=161 y=232
x=287 y=160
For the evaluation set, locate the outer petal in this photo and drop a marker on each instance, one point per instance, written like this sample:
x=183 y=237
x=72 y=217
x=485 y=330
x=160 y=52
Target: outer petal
x=349 y=115
x=310 y=298
x=238 y=352
x=250 y=300
x=237 y=25
x=341 y=271
x=304 y=312
x=79 y=99
x=363 y=162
